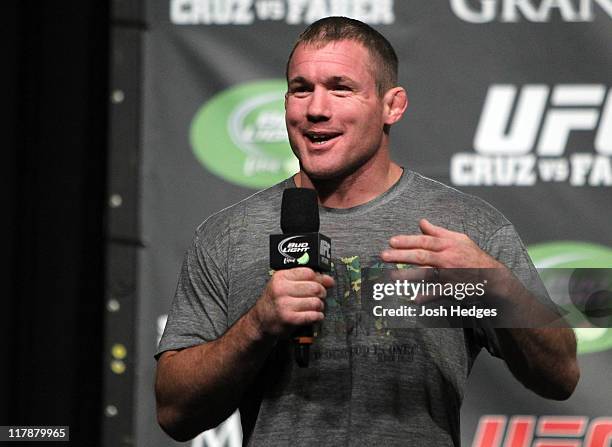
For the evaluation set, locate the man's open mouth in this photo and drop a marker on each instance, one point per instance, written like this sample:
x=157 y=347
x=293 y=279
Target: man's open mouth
x=321 y=137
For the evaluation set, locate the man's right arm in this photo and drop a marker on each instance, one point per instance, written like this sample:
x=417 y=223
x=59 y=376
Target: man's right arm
x=199 y=387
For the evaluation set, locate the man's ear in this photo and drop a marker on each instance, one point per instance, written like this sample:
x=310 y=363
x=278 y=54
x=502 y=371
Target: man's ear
x=395 y=103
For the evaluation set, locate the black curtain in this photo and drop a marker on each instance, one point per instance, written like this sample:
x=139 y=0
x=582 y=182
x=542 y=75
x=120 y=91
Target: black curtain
x=56 y=90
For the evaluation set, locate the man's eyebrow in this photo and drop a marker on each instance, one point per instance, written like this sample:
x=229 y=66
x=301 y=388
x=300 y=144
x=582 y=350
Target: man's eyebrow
x=330 y=80
x=340 y=79
x=298 y=80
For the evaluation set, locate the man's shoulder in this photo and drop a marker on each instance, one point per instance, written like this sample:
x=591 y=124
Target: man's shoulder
x=261 y=206
x=456 y=203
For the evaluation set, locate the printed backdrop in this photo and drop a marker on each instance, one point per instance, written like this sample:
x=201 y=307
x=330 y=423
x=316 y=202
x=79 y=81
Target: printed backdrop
x=509 y=100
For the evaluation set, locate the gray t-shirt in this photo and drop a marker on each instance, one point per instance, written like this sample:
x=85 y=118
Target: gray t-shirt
x=365 y=384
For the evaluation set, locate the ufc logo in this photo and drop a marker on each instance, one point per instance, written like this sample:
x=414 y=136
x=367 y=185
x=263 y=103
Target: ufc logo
x=510 y=121
x=549 y=431
x=325 y=249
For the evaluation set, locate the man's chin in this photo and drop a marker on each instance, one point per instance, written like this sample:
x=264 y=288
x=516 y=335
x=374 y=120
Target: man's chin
x=334 y=170
x=321 y=176
x=328 y=174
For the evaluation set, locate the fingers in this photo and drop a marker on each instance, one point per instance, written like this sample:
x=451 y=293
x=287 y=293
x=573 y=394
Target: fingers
x=293 y=297
x=298 y=274
x=411 y=256
x=417 y=241
x=303 y=289
x=306 y=274
x=434 y=248
x=411 y=274
x=306 y=318
x=434 y=230
x=308 y=304
x=325 y=280
x=298 y=313
x=300 y=283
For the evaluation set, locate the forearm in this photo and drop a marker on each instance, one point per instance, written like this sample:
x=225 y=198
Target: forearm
x=199 y=387
x=543 y=359
x=538 y=347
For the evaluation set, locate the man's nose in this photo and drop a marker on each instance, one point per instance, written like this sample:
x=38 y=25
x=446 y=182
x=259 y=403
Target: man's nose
x=318 y=107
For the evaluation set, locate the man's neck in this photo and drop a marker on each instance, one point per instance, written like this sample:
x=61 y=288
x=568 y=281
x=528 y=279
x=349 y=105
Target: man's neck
x=355 y=189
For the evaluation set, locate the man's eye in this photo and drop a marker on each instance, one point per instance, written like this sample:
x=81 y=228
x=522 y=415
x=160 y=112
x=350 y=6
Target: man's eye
x=342 y=88
x=299 y=89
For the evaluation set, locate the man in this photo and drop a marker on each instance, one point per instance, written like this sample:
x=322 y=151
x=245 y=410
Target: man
x=225 y=345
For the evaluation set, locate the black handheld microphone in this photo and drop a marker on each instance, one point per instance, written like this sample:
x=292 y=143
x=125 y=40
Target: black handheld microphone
x=300 y=245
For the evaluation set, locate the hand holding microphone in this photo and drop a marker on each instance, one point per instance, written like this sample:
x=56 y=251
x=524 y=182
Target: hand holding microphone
x=293 y=298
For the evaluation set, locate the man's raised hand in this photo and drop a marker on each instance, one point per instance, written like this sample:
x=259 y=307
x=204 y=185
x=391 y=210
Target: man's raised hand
x=437 y=247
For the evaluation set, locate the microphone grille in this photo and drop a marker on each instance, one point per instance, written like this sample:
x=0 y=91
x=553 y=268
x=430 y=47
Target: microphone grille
x=300 y=211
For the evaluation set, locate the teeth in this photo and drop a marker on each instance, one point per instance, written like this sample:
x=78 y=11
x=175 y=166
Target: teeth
x=319 y=139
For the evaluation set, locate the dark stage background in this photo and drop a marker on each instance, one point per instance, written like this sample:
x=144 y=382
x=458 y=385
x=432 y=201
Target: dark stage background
x=55 y=72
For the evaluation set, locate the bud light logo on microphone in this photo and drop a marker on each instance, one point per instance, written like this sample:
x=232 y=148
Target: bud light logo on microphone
x=294 y=250
x=300 y=250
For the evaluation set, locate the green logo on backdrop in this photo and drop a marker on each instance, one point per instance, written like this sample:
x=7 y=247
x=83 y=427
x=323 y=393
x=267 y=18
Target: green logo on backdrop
x=240 y=135
x=577 y=255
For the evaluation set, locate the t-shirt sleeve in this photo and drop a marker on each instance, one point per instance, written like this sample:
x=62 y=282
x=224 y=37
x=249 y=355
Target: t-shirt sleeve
x=506 y=246
x=199 y=308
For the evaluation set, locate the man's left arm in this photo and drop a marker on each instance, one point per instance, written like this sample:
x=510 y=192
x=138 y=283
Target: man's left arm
x=543 y=359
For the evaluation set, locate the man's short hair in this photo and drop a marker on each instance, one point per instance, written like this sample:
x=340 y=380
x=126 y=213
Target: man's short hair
x=333 y=29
